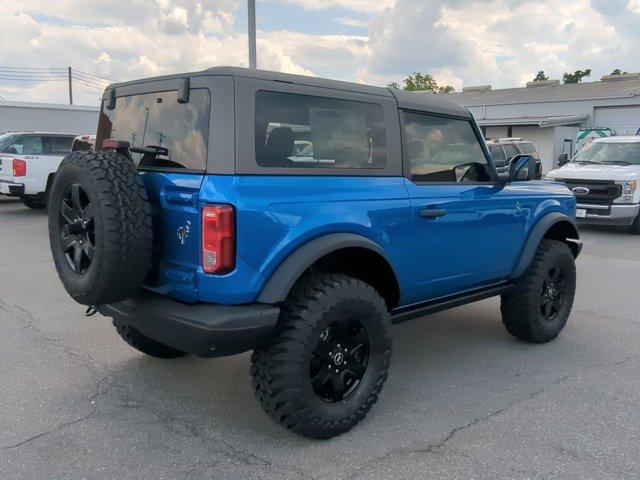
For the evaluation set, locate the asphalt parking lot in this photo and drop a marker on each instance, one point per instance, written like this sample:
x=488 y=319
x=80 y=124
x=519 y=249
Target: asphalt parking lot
x=463 y=399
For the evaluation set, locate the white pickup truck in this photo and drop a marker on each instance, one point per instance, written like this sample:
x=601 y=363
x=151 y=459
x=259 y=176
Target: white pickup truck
x=29 y=160
x=604 y=177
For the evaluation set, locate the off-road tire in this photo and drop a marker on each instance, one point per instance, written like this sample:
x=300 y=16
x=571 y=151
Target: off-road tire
x=122 y=227
x=522 y=312
x=144 y=344
x=281 y=370
x=35 y=202
x=635 y=226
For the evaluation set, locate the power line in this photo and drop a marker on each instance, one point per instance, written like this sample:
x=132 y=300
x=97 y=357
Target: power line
x=94 y=75
x=90 y=79
x=48 y=69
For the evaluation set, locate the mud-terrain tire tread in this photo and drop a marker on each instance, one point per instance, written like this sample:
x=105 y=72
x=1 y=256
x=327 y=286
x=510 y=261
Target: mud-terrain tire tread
x=520 y=306
x=275 y=387
x=144 y=344
x=124 y=231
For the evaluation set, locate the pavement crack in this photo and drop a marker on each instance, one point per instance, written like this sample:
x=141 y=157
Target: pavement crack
x=59 y=427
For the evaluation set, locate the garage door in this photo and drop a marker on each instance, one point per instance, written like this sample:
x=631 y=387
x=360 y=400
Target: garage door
x=622 y=120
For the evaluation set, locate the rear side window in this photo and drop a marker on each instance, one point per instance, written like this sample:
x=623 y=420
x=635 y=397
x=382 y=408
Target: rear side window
x=158 y=120
x=443 y=149
x=57 y=145
x=528 y=149
x=303 y=131
x=510 y=151
x=27 y=146
x=498 y=155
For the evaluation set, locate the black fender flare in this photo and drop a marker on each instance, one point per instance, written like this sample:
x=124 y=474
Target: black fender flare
x=538 y=233
x=289 y=271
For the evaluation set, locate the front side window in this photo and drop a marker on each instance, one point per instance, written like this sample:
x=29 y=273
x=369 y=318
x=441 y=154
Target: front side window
x=305 y=131
x=442 y=149
x=157 y=120
x=26 y=146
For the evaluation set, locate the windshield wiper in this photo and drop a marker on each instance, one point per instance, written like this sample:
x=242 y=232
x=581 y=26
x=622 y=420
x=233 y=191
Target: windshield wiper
x=585 y=161
x=617 y=162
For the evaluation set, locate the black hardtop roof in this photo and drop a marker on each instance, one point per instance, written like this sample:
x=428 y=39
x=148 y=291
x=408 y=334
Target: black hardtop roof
x=421 y=101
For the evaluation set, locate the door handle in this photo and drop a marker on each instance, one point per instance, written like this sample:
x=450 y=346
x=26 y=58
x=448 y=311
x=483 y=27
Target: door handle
x=431 y=212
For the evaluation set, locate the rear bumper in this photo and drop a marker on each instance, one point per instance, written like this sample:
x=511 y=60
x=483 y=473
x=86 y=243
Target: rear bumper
x=202 y=329
x=11 y=188
x=616 y=214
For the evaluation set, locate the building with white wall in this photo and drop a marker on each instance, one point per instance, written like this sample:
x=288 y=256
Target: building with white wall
x=550 y=113
x=48 y=117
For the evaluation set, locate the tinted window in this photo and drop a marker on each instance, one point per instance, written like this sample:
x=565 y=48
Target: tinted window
x=528 y=149
x=510 y=151
x=498 y=155
x=157 y=119
x=26 y=146
x=57 y=145
x=441 y=149
x=306 y=131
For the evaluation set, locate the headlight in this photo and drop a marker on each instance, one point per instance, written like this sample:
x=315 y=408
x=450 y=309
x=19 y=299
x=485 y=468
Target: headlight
x=628 y=191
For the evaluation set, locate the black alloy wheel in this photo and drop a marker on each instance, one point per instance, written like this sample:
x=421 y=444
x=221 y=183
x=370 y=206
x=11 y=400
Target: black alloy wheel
x=552 y=297
x=77 y=229
x=339 y=360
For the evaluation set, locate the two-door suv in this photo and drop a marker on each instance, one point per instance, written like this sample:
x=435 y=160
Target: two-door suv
x=232 y=210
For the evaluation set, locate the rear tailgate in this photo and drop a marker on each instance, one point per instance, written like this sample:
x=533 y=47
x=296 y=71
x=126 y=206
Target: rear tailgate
x=176 y=227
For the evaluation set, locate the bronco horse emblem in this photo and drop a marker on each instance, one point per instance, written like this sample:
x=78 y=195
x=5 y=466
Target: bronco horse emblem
x=183 y=233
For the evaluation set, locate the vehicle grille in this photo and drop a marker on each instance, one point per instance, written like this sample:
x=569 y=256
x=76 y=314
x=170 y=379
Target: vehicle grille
x=601 y=192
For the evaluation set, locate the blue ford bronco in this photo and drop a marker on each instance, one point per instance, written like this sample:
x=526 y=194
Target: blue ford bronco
x=232 y=210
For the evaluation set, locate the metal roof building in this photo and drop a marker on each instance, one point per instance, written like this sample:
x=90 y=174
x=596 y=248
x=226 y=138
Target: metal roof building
x=550 y=113
x=48 y=117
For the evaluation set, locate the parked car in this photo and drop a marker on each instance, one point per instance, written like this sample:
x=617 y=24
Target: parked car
x=206 y=238
x=504 y=149
x=28 y=162
x=604 y=177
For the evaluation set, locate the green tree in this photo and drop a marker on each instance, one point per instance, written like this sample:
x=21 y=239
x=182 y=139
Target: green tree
x=577 y=76
x=541 y=77
x=617 y=71
x=419 y=81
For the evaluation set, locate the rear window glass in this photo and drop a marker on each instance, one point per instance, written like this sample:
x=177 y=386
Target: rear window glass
x=510 y=150
x=498 y=155
x=57 y=145
x=528 y=149
x=307 y=131
x=158 y=120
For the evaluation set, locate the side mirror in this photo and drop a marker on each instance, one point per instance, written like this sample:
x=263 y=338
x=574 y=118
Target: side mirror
x=522 y=167
x=563 y=159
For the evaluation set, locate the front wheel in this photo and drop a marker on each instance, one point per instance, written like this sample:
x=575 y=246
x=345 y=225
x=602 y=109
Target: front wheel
x=329 y=358
x=537 y=308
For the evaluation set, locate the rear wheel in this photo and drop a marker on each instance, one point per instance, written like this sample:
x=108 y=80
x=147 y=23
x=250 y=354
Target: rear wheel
x=144 y=344
x=537 y=308
x=329 y=359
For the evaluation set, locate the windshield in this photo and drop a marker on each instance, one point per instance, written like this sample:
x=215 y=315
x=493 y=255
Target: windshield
x=6 y=139
x=613 y=153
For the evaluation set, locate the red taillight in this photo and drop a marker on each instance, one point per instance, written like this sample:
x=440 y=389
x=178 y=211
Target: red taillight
x=19 y=168
x=218 y=239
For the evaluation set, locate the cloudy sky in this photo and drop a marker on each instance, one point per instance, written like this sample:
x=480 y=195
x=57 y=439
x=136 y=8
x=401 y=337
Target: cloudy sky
x=498 y=42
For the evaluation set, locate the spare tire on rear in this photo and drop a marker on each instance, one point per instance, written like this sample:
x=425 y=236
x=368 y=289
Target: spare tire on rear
x=100 y=227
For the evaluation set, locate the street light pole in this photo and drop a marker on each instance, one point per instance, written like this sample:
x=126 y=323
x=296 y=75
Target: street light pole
x=251 y=10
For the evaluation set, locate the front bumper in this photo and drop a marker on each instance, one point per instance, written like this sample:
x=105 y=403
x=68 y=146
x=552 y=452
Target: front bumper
x=202 y=329
x=11 y=188
x=616 y=214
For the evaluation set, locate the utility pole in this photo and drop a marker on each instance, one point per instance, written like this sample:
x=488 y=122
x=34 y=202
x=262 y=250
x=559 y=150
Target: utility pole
x=70 y=88
x=251 y=10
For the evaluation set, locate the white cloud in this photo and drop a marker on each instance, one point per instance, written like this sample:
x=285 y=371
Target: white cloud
x=460 y=42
